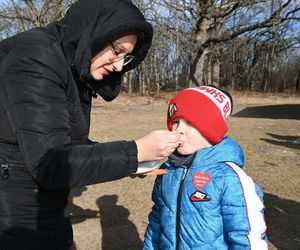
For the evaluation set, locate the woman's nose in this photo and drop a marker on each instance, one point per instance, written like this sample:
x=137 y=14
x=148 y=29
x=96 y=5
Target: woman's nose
x=118 y=66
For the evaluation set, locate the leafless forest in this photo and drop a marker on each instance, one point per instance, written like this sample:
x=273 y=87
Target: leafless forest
x=241 y=45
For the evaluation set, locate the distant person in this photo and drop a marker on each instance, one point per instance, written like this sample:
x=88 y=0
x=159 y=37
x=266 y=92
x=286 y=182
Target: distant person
x=48 y=77
x=205 y=201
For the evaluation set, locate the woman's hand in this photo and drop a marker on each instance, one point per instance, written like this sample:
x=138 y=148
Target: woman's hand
x=157 y=145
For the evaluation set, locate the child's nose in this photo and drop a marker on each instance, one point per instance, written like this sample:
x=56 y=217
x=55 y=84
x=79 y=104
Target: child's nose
x=180 y=128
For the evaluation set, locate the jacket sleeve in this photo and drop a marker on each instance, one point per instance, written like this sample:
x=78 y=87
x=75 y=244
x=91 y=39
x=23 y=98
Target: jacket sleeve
x=153 y=230
x=35 y=93
x=243 y=211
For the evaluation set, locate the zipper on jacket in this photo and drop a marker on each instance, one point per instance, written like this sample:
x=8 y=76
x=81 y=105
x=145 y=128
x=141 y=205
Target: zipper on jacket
x=5 y=174
x=178 y=206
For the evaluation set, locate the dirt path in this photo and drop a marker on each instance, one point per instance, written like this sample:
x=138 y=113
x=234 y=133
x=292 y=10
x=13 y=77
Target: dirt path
x=114 y=215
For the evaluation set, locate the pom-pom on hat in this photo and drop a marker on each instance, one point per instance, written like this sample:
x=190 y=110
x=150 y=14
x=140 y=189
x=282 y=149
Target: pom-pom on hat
x=207 y=108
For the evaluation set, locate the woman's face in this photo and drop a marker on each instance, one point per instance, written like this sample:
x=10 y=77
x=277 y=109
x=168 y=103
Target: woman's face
x=107 y=60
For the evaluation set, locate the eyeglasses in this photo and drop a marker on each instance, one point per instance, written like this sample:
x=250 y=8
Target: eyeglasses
x=119 y=55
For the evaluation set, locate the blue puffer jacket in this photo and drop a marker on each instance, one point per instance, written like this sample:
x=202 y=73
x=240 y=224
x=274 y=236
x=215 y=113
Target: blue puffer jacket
x=212 y=204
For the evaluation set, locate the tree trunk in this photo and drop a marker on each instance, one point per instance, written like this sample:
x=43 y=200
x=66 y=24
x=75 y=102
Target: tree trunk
x=216 y=74
x=126 y=79
x=297 y=83
x=197 y=68
x=213 y=74
x=177 y=47
x=205 y=68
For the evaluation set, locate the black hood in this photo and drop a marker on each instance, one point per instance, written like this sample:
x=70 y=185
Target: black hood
x=89 y=25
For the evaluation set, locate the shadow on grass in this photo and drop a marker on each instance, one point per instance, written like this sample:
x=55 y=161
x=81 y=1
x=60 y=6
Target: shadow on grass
x=282 y=140
x=78 y=214
x=284 y=111
x=283 y=221
x=118 y=232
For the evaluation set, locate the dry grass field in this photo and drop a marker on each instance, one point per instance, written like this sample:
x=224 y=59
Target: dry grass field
x=113 y=215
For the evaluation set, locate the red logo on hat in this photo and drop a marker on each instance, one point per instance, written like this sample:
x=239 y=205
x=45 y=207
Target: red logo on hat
x=200 y=180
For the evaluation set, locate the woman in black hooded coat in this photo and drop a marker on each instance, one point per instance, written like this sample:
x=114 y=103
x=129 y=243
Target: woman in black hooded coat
x=46 y=87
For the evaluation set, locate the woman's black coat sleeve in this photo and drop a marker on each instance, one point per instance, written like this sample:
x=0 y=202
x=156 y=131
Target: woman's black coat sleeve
x=86 y=164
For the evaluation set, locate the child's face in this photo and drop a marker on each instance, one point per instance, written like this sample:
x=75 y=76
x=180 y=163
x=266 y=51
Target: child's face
x=190 y=138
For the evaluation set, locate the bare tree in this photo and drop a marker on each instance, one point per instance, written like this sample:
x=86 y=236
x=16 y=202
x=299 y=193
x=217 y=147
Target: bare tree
x=214 y=25
x=247 y=44
x=195 y=39
x=26 y=14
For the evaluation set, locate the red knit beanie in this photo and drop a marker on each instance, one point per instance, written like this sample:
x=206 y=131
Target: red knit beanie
x=207 y=108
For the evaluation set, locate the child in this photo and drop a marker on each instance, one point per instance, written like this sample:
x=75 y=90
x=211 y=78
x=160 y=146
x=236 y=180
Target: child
x=205 y=201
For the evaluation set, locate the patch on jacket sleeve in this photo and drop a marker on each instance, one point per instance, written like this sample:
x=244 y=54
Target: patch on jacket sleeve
x=200 y=180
